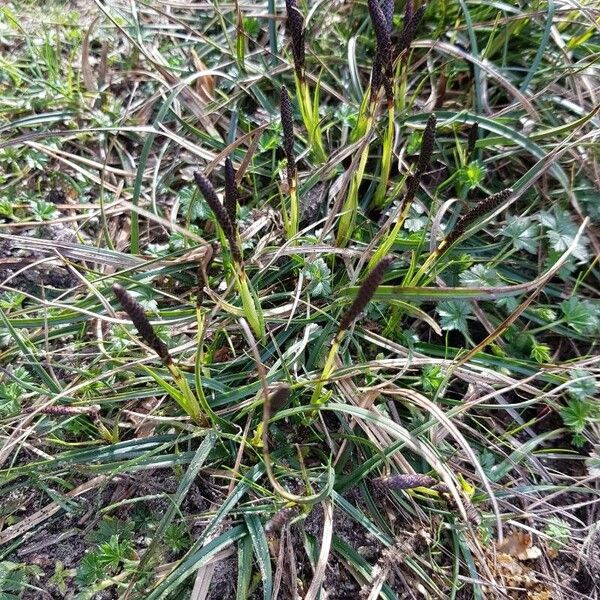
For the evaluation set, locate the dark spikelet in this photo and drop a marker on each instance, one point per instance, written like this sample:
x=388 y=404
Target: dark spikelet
x=287 y=123
x=427 y=144
x=279 y=397
x=382 y=64
x=375 y=78
x=405 y=482
x=408 y=12
x=442 y=488
x=280 y=519
x=389 y=90
x=472 y=139
x=478 y=211
x=380 y=26
x=208 y=191
x=412 y=185
x=231 y=192
x=387 y=7
x=365 y=292
x=135 y=311
x=410 y=29
x=296 y=27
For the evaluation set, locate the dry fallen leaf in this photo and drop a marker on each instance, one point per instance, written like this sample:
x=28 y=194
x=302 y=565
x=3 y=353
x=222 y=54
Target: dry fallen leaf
x=206 y=83
x=518 y=544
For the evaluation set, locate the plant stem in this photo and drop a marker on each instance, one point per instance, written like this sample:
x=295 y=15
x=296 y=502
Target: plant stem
x=317 y=397
x=386 y=160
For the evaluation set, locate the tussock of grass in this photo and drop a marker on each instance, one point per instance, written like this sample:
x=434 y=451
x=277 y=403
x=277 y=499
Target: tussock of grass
x=299 y=300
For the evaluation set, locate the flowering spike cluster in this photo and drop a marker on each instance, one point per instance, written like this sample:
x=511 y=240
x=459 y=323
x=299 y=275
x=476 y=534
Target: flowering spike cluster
x=409 y=9
x=478 y=211
x=296 y=27
x=135 y=311
x=375 y=78
x=231 y=192
x=365 y=293
x=381 y=17
x=424 y=162
x=380 y=25
x=427 y=143
x=405 y=481
x=412 y=185
x=387 y=6
x=287 y=123
x=410 y=28
x=208 y=191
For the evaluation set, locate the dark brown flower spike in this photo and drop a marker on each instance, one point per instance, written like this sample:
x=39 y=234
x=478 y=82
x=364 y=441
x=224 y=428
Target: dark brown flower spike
x=231 y=192
x=387 y=85
x=427 y=144
x=365 y=293
x=287 y=123
x=296 y=27
x=279 y=397
x=409 y=8
x=382 y=63
x=472 y=139
x=387 y=7
x=410 y=29
x=208 y=191
x=478 y=211
x=138 y=317
x=280 y=519
x=376 y=77
x=405 y=481
x=412 y=185
x=380 y=26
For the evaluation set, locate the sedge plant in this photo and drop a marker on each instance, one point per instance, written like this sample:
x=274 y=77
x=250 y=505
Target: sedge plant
x=195 y=405
x=382 y=75
x=291 y=216
x=308 y=101
x=365 y=293
x=225 y=216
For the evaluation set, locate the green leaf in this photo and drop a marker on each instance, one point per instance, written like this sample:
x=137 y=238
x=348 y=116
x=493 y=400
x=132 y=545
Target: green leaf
x=561 y=232
x=575 y=415
x=453 y=315
x=522 y=233
x=319 y=274
x=580 y=315
x=261 y=551
x=480 y=276
x=582 y=385
x=540 y=353
x=192 y=205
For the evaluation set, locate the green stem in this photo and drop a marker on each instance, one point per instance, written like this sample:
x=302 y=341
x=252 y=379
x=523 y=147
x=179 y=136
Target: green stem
x=189 y=401
x=350 y=208
x=250 y=303
x=205 y=406
x=386 y=161
x=317 y=398
x=309 y=109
